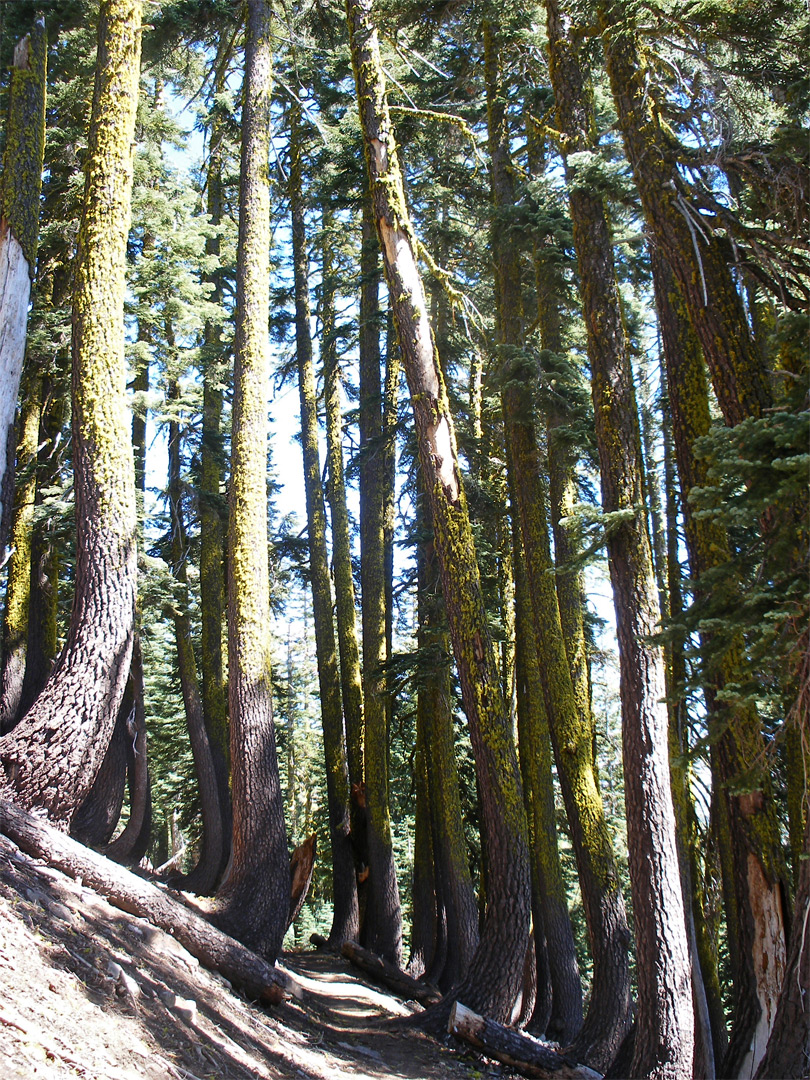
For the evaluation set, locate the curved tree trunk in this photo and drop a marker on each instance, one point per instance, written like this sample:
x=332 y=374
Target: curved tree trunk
x=255 y=895
x=496 y=972
x=95 y=821
x=345 y=914
x=52 y=756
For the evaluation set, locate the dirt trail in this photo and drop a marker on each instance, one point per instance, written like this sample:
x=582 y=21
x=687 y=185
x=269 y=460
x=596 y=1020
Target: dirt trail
x=88 y=991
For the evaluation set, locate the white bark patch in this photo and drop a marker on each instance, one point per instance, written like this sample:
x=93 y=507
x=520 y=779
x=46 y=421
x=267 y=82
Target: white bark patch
x=444 y=459
x=769 y=959
x=15 y=292
x=380 y=156
x=399 y=255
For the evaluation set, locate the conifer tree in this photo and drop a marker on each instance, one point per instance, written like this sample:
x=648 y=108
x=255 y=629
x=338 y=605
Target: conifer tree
x=52 y=756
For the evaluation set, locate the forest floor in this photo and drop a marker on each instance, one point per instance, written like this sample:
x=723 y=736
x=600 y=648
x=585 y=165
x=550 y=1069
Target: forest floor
x=88 y=991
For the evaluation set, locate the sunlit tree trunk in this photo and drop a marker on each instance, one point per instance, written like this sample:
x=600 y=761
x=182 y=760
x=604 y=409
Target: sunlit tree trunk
x=256 y=893
x=52 y=756
x=495 y=976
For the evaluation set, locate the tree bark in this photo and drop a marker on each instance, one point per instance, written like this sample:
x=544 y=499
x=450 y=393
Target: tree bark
x=52 y=756
x=255 y=895
x=130 y=846
x=345 y=914
x=20 y=187
x=496 y=972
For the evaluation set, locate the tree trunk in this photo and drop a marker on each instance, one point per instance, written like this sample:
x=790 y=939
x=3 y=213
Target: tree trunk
x=451 y=862
x=205 y=875
x=95 y=821
x=20 y=187
x=213 y=509
x=572 y=733
x=345 y=610
x=130 y=846
x=255 y=895
x=41 y=646
x=496 y=972
x=52 y=756
x=382 y=931
x=18 y=588
x=138 y=897
x=664 y=1021
x=345 y=915
x=519 y=1052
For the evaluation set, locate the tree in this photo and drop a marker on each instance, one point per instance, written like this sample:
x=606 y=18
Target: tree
x=494 y=979
x=345 y=921
x=52 y=756
x=664 y=1019
x=255 y=894
x=19 y=227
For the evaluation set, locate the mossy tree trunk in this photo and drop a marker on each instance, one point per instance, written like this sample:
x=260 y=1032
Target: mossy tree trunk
x=345 y=916
x=664 y=1020
x=212 y=504
x=571 y=732
x=382 y=931
x=52 y=756
x=754 y=884
x=345 y=610
x=18 y=588
x=20 y=186
x=698 y=255
x=455 y=893
x=496 y=972
x=255 y=896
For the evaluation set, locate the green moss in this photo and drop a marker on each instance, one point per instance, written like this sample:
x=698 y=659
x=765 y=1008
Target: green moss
x=25 y=145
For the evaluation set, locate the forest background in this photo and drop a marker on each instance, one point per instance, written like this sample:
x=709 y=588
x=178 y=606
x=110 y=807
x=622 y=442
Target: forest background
x=611 y=207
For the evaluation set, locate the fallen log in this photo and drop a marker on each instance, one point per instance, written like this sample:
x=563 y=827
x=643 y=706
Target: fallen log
x=390 y=975
x=213 y=948
x=518 y=1051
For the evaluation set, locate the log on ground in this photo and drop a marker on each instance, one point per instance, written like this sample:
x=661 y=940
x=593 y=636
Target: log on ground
x=518 y=1051
x=390 y=975
x=132 y=894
